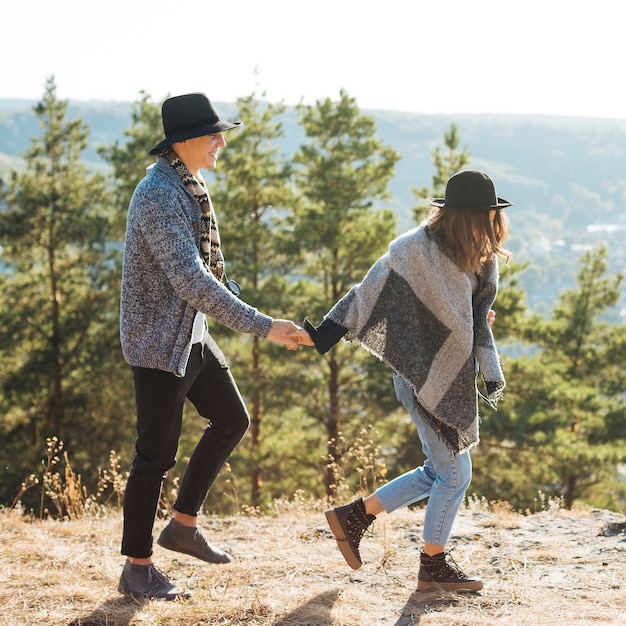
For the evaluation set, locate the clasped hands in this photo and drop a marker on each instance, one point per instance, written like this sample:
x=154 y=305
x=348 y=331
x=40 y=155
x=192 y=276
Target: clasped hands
x=289 y=334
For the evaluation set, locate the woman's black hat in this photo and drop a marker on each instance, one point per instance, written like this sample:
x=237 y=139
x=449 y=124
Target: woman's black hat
x=470 y=190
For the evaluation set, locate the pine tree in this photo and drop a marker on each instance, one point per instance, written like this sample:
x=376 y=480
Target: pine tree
x=130 y=159
x=58 y=318
x=252 y=191
x=560 y=429
x=342 y=171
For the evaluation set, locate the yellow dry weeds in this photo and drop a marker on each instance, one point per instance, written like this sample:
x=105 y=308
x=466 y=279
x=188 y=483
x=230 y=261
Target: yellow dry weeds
x=550 y=568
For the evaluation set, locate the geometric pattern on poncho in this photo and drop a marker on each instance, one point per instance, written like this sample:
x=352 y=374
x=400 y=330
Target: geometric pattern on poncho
x=390 y=327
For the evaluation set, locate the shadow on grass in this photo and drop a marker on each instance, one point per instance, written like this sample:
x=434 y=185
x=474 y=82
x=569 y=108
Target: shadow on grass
x=115 y=612
x=422 y=603
x=315 y=612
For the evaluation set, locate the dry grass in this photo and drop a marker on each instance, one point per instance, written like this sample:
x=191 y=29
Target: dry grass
x=554 y=567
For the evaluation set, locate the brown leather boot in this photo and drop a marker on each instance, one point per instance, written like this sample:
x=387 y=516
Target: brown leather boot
x=441 y=572
x=349 y=523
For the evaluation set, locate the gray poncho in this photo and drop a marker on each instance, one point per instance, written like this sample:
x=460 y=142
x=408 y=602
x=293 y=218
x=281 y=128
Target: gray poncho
x=415 y=311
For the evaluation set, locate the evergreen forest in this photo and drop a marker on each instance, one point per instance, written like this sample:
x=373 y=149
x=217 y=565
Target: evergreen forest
x=303 y=215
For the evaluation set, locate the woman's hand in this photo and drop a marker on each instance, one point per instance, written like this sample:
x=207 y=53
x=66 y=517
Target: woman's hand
x=282 y=331
x=491 y=317
x=303 y=337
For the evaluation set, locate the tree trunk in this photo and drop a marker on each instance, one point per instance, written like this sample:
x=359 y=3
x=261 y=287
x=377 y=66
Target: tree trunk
x=332 y=428
x=570 y=491
x=55 y=414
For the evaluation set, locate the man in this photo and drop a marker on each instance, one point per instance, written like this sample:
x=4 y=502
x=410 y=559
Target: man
x=173 y=274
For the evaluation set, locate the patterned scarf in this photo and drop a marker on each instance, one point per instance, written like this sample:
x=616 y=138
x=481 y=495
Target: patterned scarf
x=209 y=233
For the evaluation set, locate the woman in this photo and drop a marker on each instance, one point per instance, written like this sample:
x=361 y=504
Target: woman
x=424 y=308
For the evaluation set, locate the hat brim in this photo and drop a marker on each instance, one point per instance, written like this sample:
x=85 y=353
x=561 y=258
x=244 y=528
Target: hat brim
x=440 y=203
x=198 y=131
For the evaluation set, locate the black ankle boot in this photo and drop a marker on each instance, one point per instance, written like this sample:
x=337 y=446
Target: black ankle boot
x=441 y=572
x=349 y=523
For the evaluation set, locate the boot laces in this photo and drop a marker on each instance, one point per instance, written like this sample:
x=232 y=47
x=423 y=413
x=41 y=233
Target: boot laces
x=357 y=523
x=445 y=567
x=156 y=575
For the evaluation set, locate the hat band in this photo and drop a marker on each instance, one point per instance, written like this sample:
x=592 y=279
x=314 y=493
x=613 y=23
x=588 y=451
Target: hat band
x=181 y=129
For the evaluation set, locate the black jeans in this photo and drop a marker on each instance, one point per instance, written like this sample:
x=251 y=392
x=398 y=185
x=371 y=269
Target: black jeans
x=159 y=398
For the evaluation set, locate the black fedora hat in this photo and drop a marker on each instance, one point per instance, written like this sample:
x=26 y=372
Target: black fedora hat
x=188 y=116
x=470 y=190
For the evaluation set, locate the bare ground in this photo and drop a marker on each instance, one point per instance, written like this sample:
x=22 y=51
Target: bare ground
x=554 y=567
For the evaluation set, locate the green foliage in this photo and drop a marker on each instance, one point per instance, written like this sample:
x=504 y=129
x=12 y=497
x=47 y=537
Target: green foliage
x=510 y=306
x=252 y=192
x=130 y=159
x=58 y=315
x=343 y=169
x=561 y=426
x=340 y=171
x=298 y=233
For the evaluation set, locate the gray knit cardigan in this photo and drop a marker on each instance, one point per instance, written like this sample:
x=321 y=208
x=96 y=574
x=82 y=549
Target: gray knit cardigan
x=165 y=281
x=415 y=311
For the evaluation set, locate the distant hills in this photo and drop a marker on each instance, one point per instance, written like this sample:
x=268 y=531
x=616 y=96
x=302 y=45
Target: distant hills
x=565 y=175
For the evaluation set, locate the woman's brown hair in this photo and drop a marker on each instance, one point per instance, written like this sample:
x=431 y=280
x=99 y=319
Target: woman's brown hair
x=469 y=236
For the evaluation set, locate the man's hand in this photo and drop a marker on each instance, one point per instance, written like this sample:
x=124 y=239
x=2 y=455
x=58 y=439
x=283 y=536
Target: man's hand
x=491 y=317
x=280 y=332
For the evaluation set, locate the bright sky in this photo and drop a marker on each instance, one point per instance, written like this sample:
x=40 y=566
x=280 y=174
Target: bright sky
x=557 y=57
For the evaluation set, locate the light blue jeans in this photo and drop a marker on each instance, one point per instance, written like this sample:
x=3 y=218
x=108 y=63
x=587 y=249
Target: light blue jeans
x=443 y=479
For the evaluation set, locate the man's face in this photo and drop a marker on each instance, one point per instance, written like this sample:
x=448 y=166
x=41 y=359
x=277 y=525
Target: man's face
x=209 y=146
x=201 y=152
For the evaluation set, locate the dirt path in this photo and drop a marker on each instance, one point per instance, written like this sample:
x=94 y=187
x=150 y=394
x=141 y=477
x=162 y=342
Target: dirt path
x=551 y=568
